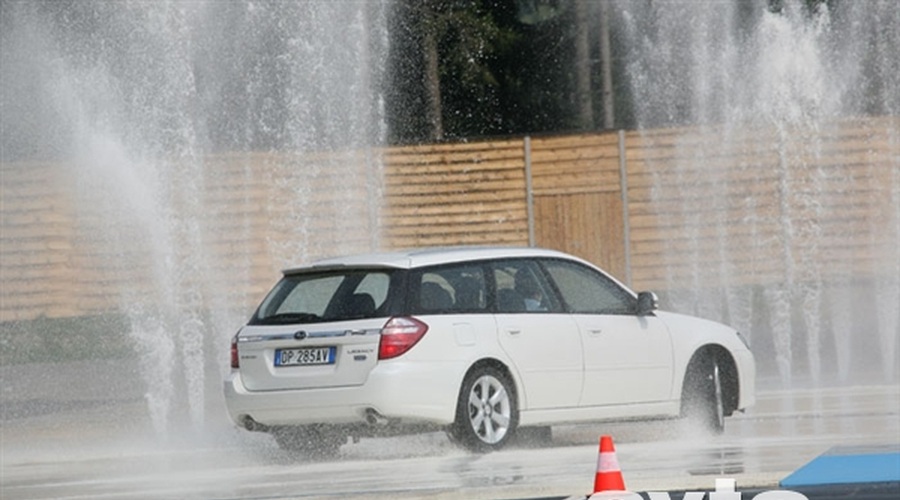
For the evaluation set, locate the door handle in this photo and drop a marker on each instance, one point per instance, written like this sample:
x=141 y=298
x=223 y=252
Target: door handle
x=513 y=331
x=595 y=331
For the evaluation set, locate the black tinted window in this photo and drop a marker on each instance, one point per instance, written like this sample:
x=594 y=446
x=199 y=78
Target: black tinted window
x=331 y=296
x=449 y=289
x=522 y=288
x=586 y=291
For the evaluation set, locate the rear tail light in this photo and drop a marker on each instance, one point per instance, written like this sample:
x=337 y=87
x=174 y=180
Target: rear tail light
x=235 y=359
x=399 y=335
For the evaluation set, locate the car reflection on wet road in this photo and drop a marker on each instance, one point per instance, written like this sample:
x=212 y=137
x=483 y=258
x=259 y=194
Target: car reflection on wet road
x=107 y=450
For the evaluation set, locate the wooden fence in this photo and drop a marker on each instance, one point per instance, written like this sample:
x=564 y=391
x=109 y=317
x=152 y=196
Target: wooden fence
x=658 y=208
x=761 y=205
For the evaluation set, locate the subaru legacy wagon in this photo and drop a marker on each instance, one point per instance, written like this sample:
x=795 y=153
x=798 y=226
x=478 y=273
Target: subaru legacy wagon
x=480 y=342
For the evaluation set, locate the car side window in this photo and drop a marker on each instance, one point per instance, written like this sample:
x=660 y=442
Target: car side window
x=586 y=291
x=451 y=289
x=522 y=288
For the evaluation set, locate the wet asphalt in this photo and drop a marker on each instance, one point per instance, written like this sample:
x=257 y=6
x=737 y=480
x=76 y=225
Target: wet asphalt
x=66 y=437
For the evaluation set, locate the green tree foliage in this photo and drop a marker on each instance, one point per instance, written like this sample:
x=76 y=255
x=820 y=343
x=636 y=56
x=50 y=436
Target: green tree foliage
x=444 y=57
x=503 y=67
x=469 y=41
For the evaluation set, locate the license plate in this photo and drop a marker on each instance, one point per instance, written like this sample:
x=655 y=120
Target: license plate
x=305 y=356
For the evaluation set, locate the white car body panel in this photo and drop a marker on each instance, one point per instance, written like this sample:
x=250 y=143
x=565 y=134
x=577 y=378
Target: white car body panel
x=600 y=367
x=424 y=399
x=627 y=359
x=659 y=410
x=690 y=333
x=356 y=354
x=545 y=351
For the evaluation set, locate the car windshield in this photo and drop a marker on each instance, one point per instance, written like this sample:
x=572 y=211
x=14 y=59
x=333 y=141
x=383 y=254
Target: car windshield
x=325 y=296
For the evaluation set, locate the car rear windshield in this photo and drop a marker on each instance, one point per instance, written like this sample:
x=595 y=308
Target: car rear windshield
x=318 y=297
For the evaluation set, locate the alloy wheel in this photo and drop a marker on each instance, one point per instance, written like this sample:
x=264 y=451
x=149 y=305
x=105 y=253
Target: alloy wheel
x=489 y=409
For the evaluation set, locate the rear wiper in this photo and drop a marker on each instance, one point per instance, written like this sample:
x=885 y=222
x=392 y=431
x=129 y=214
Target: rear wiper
x=288 y=318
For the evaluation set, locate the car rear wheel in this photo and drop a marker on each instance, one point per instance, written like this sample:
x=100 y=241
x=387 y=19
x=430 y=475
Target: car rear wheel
x=703 y=402
x=309 y=441
x=486 y=412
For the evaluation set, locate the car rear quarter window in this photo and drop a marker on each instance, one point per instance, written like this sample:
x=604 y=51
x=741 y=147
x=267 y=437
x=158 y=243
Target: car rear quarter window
x=449 y=290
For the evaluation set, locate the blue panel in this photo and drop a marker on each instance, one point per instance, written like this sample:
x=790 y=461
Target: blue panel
x=835 y=467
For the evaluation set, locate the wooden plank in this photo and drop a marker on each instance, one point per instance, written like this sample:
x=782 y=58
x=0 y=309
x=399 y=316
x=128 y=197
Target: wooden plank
x=411 y=211
x=578 y=184
x=513 y=177
x=442 y=154
x=496 y=226
x=474 y=238
x=563 y=170
x=430 y=149
x=513 y=164
x=600 y=155
x=458 y=219
x=575 y=141
x=425 y=199
x=455 y=188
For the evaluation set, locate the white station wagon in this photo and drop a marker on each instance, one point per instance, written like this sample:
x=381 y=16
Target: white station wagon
x=478 y=341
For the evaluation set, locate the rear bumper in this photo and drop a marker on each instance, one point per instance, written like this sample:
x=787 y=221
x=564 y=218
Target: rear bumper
x=396 y=391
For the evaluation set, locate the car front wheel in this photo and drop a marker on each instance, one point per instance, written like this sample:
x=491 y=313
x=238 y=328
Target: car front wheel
x=702 y=398
x=486 y=412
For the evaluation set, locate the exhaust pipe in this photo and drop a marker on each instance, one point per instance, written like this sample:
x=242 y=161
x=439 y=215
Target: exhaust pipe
x=375 y=418
x=252 y=425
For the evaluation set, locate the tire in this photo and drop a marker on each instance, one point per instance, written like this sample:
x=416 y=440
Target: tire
x=703 y=402
x=486 y=412
x=309 y=441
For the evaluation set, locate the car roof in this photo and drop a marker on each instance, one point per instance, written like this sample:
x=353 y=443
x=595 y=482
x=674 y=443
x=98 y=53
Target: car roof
x=429 y=256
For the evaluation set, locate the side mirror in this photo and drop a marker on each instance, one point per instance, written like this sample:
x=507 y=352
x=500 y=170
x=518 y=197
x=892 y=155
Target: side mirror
x=647 y=302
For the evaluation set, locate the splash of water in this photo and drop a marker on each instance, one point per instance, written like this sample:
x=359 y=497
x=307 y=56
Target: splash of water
x=139 y=97
x=789 y=73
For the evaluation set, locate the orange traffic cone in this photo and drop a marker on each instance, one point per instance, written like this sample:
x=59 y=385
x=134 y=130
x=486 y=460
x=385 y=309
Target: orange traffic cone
x=609 y=476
